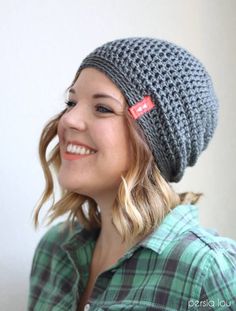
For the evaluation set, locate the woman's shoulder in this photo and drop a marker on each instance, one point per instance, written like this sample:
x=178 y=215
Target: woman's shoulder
x=209 y=242
x=204 y=246
x=206 y=263
x=214 y=258
x=60 y=232
x=50 y=244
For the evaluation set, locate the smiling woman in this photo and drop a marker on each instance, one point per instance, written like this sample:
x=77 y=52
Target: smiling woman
x=97 y=123
x=139 y=111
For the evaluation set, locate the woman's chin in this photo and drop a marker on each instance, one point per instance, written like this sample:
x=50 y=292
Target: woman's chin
x=68 y=186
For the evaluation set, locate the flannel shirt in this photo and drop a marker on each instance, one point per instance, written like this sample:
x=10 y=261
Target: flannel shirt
x=179 y=266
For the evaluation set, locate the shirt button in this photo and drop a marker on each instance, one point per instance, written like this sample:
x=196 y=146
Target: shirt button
x=87 y=307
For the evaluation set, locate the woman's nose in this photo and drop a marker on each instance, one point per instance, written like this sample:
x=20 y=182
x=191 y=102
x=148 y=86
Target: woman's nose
x=75 y=118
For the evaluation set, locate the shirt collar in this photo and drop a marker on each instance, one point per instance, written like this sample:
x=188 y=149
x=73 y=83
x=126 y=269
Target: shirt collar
x=181 y=219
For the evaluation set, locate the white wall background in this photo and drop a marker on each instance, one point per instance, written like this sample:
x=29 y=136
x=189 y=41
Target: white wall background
x=42 y=44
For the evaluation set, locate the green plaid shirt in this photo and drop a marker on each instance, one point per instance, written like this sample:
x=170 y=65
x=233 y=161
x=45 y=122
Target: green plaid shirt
x=180 y=266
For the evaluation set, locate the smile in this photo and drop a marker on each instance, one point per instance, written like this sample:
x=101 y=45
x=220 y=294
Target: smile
x=75 y=149
x=75 y=152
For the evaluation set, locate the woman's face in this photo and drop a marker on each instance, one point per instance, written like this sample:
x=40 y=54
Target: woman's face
x=94 y=120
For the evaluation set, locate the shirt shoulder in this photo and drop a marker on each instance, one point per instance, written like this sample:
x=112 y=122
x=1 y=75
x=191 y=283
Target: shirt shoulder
x=53 y=239
x=207 y=263
x=219 y=251
x=198 y=242
x=218 y=288
x=61 y=232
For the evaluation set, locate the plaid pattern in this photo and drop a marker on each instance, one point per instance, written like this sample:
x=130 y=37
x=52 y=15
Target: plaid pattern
x=180 y=266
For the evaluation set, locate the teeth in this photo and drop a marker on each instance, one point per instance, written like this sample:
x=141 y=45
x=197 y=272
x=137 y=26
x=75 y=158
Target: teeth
x=82 y=150
x=69 y=148
x=74 y=149
x=78 y=150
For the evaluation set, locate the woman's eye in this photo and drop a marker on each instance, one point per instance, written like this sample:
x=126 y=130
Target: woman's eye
x=103 y=109
x=70 y=104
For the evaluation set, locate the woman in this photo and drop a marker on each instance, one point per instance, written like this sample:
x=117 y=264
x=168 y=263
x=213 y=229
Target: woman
x=139 y=111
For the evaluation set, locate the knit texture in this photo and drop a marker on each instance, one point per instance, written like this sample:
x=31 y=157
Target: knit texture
x=183 y=121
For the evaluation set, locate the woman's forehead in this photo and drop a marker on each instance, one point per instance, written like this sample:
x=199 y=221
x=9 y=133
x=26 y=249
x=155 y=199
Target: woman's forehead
x=96 y=84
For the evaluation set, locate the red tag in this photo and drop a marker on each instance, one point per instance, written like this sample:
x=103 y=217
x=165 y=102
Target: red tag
x=141 y=107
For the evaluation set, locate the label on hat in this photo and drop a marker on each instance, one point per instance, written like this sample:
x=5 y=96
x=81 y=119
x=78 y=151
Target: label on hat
x=145 y=105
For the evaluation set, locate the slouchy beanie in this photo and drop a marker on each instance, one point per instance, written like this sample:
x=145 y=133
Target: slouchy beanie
x=169 y=93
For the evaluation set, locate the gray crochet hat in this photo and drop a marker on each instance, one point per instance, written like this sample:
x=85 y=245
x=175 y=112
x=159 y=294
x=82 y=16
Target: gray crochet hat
x=170 y=94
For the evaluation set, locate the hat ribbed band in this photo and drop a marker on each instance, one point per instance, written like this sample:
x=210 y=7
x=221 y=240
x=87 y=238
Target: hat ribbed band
x=114 y=74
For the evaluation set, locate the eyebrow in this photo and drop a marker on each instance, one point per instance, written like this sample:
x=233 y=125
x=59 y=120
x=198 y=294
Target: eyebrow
x=98 y=95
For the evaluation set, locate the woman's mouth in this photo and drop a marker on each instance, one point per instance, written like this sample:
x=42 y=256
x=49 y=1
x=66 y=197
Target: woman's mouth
x=75 y=152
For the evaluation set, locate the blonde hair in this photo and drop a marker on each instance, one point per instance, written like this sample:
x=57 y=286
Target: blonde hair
x=143 y=199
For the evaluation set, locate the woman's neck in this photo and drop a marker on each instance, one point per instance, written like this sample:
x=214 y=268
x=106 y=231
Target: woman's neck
x=110 y=244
